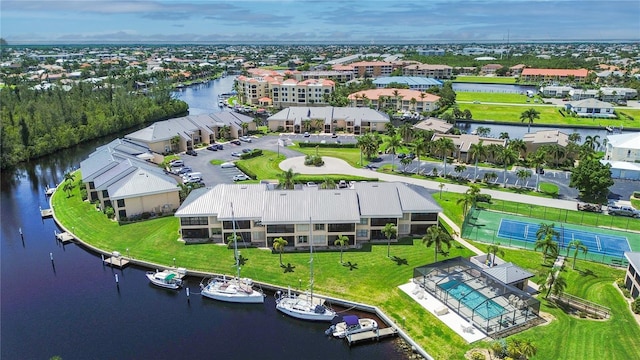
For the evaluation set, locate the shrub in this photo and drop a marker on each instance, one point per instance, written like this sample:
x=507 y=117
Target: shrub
x=635 y=306
x=626 y=293
x=327 y=145
x=636 y=194
x=251 y=154
x=313 y=160
x=486 y=198
x=109 y=212
x=83 y=193
x=620 y=283
x=476 y=355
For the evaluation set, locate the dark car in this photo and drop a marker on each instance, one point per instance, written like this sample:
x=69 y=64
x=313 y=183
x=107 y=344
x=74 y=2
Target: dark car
x=212 y=147
x=192 y=152
x=246 y=151
x=219 y=146
x=402 y=155
x=236 y=142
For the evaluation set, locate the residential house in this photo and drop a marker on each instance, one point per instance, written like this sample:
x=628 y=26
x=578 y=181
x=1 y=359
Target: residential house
x=491 y=68
x=413 y=82
x=327 y=119
x=545 y=137
x=463 y=144
x=556 y=91
x=554 y=75
x=434 y=124
x=591 y=108
x=399 y=99
x=261 y=214
x=516 y=70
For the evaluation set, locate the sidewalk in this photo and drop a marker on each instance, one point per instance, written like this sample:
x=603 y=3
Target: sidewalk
x=338 y=166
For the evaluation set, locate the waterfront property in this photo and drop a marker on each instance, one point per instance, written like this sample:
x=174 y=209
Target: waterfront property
x=554 y=75
x=180 y=134
x=480 y=295
x=545 y=137
x=463 y=144
x=263 y=214
x=118 y=175
x=440 y=72
x=591 y=108
x=632 y=277
x=399 y=99
x=434 y=124
x=413 y=82
x=623 y=154
x=329 y=119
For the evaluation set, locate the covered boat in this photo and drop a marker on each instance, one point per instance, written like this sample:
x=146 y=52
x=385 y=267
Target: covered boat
x=352 y=324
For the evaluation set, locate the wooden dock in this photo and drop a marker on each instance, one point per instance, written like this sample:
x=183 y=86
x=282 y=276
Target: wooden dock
x=116 y=261
x=46 y=213
x=371 y=335
x=64 y=237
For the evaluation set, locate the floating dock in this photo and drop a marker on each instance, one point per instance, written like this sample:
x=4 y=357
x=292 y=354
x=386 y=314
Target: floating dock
x=46 y=213
x=64 y=237
x=371 y=335
x=116 y=261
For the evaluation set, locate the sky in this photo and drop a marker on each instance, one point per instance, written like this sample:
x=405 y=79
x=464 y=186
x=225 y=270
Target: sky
x=316 y=21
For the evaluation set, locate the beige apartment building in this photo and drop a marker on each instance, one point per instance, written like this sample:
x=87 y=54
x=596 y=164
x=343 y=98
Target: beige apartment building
x=327 y=119
x=269 y=87
x=400 y=99
x=428 y=70
x=304 y=215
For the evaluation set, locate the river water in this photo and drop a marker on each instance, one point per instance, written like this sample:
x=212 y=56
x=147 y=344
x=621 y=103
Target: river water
x=71 y=307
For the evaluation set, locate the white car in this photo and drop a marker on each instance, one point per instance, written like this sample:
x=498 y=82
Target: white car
x=245 y=139
x=227 y=165
x=240 y=177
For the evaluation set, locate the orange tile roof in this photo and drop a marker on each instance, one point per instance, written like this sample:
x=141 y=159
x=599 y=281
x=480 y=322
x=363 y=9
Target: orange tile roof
x=555 y=72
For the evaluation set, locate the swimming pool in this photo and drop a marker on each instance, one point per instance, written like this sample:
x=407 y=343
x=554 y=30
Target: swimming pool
x=472 y=299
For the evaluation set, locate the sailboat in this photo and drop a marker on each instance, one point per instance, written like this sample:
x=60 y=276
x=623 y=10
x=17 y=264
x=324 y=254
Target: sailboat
x=236 y=290
x=302 y=306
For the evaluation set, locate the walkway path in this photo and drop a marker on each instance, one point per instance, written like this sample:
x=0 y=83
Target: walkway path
x=339 y=166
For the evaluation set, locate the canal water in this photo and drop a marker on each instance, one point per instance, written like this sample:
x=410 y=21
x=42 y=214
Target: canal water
x=71 y=307
x=494 y=88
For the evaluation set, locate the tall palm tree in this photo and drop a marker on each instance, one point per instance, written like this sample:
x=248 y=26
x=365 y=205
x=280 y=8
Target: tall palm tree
x=444 y=145
x=495 y=249
x=554 y=283
x=390 y=129
x=466 y=202
x=575 y=137
x=579 y=247
x=548 y=246
x=392 y=143
x=536 y=160
x=436 y=236
x=523 y=174
x=286 y=179
x=328 y=183
x=389 y=230
x=279 y=244
x=306 y=124
x=507 y=156
x=504 y=136
x=477 y=151
x=557 y=151
x=529 y=115
x=69 y=177
x=341 y=241
x=406 y=132
x=405 y=161
x=419 y=146
x=518 y=145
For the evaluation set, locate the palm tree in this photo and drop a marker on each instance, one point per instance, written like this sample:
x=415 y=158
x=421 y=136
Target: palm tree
x=575 y=137
x=306 y=124
x=518 y=145
x=520 y=349
x=444 y=145
x=466 y=200
x=406 y=132
x=507 y=156
x=483 y=131
x=419 y=146
x=436 y=236
x=341 y=241
x=592 y=141
x=69 y=177
x=459 y=169
x=389 y=230
x=523 y=174
x=390 y=129
x=495 y=249
x=579 y=247
x=548 y=246
x=68 y=187
x=318 y=124
x=279 y=244
x=441 y=186
x=328 y=183
x=405 y=161
x=504 y=136
x=477 y=151
x=529 y=115
x=286 y=179
x=536 y=160
x=554 y=283
x=557 y=151
x=245 y=128
x=392 y=144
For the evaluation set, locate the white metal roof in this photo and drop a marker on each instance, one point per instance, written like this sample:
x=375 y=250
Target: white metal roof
x=141 y=183
x=625 y=141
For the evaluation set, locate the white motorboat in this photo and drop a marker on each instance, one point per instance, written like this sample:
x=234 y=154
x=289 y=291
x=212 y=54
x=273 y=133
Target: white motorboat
x=303 y=306
x=352 y=324
x=166 y=279
x=236 y=290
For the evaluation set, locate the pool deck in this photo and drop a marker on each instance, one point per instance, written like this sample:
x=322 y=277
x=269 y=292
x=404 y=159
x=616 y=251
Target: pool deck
x=454 y=321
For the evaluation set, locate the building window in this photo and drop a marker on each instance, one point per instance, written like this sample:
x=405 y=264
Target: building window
x=318 y=227
x=92 y=185
x=105 y=194
x=281 y=229
x=216 y=231
x=121 y=203
x=303 y=227
x=383 y=221
x=303 y=239
x=341 y=227
x=122 y=214
x=199 y=220
x=362 y=234
x=364 y=221
x=424 y=217
x=240 y=224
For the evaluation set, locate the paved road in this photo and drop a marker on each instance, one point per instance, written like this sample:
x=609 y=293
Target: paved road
x=338 y=166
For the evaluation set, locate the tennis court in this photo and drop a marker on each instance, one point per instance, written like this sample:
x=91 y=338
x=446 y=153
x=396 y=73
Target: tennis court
x=594 y=241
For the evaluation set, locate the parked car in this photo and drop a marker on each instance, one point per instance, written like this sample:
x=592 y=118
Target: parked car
x=245 y=139
x=401 y=155
x=192 y=175
x=240 y=177
x=334 y=135
x=589 y=207
x=227 y=165
x=192 y=152
x=219 y=146
x=176 y=163
x=342 y=184
x=247 y=150
x=236 y=142
x=184 y=170
x=236 y=154
x=306 y=134
x=622 y=211
x=212 y=147
x=312 y=184
x=193 y=180
x=411 y=156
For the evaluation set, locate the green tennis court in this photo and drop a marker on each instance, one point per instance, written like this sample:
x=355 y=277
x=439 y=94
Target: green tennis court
x=604 y=245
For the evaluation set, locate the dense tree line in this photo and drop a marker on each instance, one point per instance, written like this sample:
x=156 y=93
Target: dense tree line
x=40 y=122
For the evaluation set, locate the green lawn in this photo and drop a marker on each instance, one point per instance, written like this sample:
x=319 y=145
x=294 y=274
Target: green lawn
x=548 y=115
x=492 y=97
x=486 y=79
x=350 y=155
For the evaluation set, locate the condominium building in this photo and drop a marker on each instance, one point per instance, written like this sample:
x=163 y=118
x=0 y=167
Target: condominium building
x=266 y=86
x=372 y=68
x=413 y=82
x=400 y=99
x=554 y=75
x=428 y=70
x=305 y=215
x=632 y=277
x=327 y=119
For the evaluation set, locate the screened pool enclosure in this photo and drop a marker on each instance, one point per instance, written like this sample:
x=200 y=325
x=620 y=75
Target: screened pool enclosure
x=491 y=305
